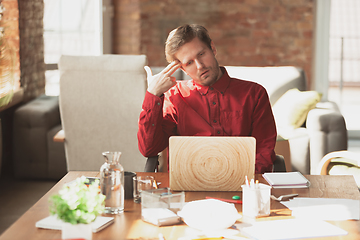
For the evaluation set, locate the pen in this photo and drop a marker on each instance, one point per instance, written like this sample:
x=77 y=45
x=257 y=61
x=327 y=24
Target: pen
x=252 y=183
x=226 y=200
x=247 y=181
x=208 y=238
x=155 y=184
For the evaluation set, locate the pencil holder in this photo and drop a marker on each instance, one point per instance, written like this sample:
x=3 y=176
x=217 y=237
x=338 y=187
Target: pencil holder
x=256 y=200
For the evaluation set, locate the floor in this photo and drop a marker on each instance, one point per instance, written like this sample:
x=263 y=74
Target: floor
x=16 y=196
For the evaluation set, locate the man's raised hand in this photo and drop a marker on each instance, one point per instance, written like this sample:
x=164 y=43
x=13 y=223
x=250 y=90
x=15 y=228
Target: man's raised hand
x=163 y=81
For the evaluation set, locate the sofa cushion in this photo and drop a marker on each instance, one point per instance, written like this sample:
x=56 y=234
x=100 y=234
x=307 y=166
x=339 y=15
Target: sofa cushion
x=291 y=109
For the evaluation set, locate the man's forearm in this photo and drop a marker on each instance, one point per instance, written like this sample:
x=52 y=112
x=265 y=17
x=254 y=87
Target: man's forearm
x=152 y=134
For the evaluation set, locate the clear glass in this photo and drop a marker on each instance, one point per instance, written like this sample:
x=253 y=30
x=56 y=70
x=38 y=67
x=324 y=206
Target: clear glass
x=160 y=206
x=142 y=183
x=112 y=182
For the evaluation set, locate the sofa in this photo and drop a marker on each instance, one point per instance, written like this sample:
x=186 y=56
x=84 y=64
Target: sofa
x=35 y=154
x=322 y=132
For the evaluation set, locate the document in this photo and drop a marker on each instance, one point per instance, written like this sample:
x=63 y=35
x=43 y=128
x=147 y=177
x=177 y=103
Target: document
x=286 y=180
x=331 y=209
x=290 y=229
x=52 y=222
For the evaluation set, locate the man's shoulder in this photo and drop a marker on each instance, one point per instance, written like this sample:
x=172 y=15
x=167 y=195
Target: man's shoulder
x=245 y=83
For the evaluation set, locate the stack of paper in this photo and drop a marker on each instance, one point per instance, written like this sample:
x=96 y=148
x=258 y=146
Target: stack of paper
x=286 y=180
x=324 y=208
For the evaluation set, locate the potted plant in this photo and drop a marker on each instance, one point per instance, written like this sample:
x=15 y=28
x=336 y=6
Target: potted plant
x=78 y=204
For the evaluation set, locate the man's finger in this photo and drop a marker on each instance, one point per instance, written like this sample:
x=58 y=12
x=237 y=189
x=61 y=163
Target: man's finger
x=148 y=71
x=171 y=68
x=174 y=68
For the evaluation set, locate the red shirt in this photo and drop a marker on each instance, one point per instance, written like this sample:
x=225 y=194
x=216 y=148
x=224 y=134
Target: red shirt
x=230 y=107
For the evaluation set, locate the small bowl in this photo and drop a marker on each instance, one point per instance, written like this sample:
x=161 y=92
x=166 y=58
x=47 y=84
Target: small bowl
x=209 y=214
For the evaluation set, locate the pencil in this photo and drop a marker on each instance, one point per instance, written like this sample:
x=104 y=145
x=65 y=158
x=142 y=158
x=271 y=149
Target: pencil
x=226 y=200
x=208 y=238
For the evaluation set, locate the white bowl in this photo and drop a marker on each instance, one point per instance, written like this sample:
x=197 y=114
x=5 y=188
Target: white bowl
x=209 y=214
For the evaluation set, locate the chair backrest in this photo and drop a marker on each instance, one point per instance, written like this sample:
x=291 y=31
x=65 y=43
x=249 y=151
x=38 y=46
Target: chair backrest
x=100 y=103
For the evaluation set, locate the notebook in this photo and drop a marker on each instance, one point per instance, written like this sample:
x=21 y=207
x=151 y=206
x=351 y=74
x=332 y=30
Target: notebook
x=52 y=222
x=286 y=180
x=210 y=163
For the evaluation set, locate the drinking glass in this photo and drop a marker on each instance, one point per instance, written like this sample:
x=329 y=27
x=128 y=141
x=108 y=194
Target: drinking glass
x=142 y=183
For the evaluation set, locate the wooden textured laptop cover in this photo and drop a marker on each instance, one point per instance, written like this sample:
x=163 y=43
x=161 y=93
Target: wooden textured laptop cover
x=210 y=163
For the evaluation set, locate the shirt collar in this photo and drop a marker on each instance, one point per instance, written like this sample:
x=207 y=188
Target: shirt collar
x=221 y=85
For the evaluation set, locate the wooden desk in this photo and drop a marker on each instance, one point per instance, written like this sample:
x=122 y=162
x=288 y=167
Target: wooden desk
x=129 y=225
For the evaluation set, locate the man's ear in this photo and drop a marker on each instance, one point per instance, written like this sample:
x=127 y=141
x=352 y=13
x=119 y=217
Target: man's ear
x=213 y=48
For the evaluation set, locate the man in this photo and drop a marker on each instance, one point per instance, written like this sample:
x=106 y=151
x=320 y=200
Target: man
x=211 y=104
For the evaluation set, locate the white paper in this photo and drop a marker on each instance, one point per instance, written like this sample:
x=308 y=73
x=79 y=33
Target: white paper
x=290 y=229
x=52 y=222
x=324 y=208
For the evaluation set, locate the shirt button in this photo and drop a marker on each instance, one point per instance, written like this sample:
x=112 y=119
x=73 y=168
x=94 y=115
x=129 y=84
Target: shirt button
x=214 y=121
x=158 y=104
x=211 y=88
x=214 y=103
x=153 y=124
x=218 y=132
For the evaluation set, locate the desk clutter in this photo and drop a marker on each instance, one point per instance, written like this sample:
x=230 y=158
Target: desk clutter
x=220 y=218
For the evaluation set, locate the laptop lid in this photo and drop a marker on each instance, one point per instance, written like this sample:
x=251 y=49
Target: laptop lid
x=210 y=163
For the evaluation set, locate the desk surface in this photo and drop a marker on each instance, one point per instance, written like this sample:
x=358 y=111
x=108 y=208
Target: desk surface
x=130 y=226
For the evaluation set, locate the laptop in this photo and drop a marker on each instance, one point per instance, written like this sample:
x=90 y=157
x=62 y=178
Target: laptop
x=210 y=163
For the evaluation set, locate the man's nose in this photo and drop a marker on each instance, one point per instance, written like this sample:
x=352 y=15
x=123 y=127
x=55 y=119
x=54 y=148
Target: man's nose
x=199 y=64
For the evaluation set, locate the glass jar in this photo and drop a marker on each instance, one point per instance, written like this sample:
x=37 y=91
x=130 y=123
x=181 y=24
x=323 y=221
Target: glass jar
x=112 y=182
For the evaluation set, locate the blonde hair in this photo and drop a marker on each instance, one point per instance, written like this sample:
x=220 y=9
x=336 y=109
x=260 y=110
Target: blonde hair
x=182 y=35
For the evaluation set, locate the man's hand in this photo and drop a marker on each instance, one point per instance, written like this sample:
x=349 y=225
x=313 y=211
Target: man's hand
x=163 y=81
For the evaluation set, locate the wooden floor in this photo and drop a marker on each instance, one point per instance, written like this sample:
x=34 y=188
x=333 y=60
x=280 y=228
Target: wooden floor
x=17 y=196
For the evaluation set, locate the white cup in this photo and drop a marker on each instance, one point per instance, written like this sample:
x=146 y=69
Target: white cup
x=256 y=200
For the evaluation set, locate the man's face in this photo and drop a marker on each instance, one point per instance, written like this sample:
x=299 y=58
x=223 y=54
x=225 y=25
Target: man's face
x=199 y=62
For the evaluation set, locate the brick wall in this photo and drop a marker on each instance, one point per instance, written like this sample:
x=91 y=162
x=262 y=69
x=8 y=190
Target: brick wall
x=10 y=23
x=32 y=64
x=245 y=32
x=126 y=27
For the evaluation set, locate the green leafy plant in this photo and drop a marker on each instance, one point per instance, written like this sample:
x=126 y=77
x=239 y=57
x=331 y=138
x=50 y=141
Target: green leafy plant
x=78 y=202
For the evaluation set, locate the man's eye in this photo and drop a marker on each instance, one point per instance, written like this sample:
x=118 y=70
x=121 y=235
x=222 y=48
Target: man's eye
x=189 y=63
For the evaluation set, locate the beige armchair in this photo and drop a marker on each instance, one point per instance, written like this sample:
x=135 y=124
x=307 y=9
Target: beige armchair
x=341 y=163
x=100 y=102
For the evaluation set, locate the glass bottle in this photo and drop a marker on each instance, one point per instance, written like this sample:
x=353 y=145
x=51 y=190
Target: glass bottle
x=112 y=182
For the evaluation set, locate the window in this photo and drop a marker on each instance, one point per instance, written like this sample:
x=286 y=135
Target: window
x=71 y=28
x=344 y=60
